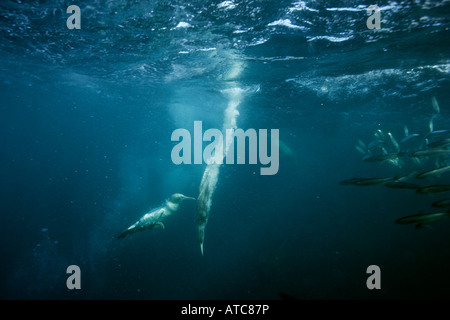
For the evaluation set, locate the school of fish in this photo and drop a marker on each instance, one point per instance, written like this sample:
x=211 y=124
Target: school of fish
x=424 y=156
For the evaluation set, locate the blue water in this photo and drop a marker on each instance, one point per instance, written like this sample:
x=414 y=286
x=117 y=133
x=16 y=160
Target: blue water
x=87 y=116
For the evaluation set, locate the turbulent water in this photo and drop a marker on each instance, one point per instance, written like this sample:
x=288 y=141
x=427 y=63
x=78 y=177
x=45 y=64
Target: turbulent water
x=86 y=122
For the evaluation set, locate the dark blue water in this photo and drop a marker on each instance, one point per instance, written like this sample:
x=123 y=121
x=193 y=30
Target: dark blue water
x=86 y=123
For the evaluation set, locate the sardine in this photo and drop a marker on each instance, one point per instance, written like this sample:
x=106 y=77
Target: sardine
x=436 y=133
x=381 y=157
x=433 y=173
x=409 y=137
x=402 y=185
x=430 y=124
x=394 y=142
x=367 y=181
x=423 y=219
x=439 y=144
x=430 y=153
x=438 y=188
x=435 y=105
x=441 y=203
x=360 y=149
x=375 y=143
x=362 y=144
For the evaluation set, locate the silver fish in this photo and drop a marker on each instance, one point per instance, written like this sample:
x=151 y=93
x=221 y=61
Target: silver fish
x=362 y=144
x=433 y=173
x=439 y=144
x=430 y=153
x=437 y=133
x=405 y=128
x=438 y=188
x=381 y=157
x=423 y=219
x=360 y=149
x=394 y=142
x=375 y=143
x=367 y=181
x=441 y=203
x=409 y=137
x=435 y=105
x=402 y=185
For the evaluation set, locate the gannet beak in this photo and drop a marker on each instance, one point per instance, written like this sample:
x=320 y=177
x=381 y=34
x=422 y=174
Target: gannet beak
x=188 y=198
